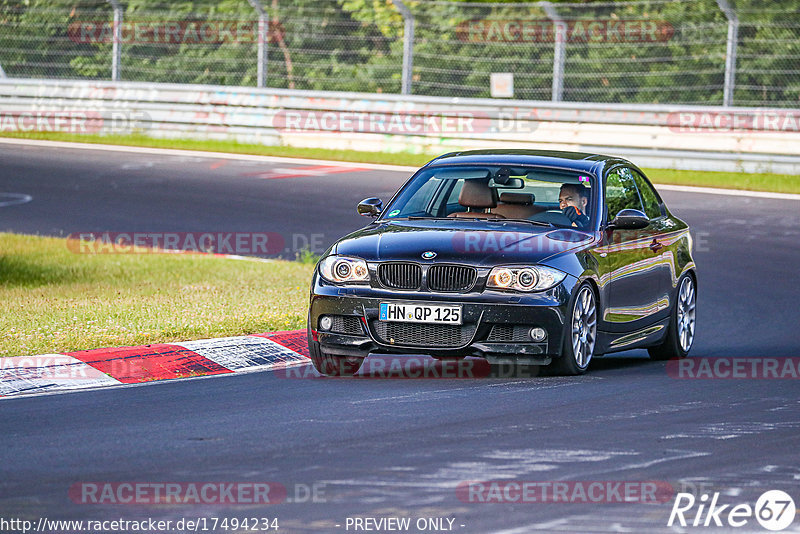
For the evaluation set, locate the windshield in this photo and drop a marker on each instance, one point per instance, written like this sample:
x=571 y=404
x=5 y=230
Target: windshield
x=538 y=195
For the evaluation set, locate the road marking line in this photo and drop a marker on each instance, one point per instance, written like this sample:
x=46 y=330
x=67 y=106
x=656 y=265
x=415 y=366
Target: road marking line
x=728 y=192
x=13 y=199
x=299 y=172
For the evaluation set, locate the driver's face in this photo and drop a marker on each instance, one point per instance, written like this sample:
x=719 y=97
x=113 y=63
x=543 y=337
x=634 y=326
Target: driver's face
x=570 y=197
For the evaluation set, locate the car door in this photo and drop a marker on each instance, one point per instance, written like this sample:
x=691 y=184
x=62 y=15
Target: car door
x=631 y=270
x=665 y=240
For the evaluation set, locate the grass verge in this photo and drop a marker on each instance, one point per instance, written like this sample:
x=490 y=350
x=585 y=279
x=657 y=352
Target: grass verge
x=55 y=300
x=780 y=183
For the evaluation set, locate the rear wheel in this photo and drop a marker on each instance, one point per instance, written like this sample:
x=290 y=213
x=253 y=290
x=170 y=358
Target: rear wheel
x=680 y=332
x=580 y=340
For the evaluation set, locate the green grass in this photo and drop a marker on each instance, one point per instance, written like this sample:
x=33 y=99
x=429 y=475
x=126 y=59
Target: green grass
x=778 y=183
x=781 y=183
x=307 y=257
x=55 y=300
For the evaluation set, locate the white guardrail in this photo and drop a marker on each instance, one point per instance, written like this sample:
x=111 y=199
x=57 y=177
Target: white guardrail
x=656 y=136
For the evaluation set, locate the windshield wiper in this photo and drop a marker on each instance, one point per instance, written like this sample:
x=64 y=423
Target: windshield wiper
x=420 y=218
x=412 y=218
x=536 y=223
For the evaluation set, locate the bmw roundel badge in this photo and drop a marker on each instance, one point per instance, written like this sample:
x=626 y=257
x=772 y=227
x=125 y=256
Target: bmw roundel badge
x=428 y=255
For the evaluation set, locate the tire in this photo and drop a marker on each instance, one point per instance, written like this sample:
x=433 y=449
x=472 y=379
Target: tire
x=681 y=329
x=581 y=335
x=331 y=364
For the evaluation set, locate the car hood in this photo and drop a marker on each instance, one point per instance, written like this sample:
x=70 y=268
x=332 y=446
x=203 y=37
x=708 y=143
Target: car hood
x=460 y=241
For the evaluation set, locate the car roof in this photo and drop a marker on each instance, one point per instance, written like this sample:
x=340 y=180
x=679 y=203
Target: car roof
x=581 y=161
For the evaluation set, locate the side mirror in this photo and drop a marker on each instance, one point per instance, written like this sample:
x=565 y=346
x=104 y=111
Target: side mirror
x=370 y=207
x=629 y=220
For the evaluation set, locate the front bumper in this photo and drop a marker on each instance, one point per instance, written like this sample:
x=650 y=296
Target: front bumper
x=495 y=324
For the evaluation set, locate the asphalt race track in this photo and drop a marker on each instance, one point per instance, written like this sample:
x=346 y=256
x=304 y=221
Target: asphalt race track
x=375 y=448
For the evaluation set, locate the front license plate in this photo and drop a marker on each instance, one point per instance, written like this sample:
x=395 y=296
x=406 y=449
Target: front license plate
x=420 y=313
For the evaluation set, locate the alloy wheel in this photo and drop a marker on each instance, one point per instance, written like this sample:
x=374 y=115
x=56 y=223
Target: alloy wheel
x=584 y=327
x=686 y=308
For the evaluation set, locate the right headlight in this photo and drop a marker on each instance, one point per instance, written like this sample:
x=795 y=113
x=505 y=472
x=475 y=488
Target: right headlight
x=527 y=278
x=344 y=270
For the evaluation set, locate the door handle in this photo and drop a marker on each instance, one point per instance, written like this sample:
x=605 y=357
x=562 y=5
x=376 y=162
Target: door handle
x=655 y=246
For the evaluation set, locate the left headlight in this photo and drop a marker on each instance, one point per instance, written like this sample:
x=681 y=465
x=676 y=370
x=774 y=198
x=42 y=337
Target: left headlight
x=533 y=278
x=344 y=270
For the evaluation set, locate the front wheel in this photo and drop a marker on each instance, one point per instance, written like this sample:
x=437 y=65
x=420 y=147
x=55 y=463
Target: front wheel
x=331 y=364
x=580 y=340
x=680 y=332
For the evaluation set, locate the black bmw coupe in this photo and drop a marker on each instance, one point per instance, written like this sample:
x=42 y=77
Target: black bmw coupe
x=517 y=256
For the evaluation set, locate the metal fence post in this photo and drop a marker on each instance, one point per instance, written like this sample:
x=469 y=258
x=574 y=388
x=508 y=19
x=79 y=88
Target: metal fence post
x=263 y=35
x=730 y=52
x=408 y=45
x=2 y=72
x=116 y=45
x=560 y=38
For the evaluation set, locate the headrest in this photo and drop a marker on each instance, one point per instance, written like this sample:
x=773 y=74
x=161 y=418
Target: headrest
x=476 y=194
x=525 y=199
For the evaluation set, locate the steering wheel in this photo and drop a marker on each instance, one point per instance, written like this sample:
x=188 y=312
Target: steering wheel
x=554 y=217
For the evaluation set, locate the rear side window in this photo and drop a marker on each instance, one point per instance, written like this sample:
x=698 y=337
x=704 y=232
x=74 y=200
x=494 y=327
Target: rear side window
x=621 y=192
x=649 y=196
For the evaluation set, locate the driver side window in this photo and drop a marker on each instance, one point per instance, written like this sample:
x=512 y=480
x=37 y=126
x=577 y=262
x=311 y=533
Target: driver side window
x=621 y=192
x=418 y=204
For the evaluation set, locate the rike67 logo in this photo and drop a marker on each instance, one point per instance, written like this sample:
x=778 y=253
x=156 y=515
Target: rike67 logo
x=774 y=510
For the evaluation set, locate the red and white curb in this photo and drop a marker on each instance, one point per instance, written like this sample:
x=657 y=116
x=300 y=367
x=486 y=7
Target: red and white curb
x=96 y=368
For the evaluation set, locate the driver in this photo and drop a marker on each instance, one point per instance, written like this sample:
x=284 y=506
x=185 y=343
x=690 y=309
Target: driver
x=572 y=200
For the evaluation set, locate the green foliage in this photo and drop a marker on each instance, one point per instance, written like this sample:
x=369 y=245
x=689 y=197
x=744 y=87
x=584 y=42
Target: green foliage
x=357 y=45
x=307 y=257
